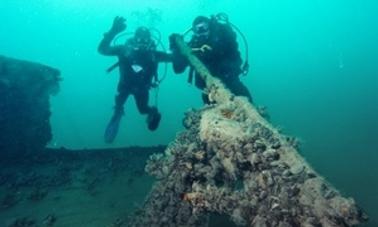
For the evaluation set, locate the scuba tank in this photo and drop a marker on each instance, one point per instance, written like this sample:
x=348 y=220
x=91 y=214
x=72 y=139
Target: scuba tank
x=222 y=18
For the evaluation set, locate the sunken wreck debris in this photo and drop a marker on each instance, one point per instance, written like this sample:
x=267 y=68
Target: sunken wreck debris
x=230 y=161
x=25 y=89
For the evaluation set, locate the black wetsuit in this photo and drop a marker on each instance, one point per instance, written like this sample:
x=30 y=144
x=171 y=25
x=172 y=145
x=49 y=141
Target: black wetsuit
x=137 y=70
x=223 y=60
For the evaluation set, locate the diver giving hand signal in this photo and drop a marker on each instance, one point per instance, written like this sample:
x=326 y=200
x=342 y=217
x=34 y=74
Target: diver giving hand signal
x=119 y=25
x=138 y=62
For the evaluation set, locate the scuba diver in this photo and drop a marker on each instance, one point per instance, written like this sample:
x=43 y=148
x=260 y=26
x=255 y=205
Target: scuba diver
x=214 y=43
x=138 y=62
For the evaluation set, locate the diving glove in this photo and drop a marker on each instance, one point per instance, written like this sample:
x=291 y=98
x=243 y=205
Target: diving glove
x=119 y=25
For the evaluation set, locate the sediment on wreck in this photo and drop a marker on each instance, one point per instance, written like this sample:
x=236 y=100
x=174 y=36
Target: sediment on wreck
x=230 y=161
x=25 y=89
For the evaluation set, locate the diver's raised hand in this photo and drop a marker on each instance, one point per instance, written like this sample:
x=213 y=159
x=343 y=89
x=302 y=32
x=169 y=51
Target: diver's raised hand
x=119 y=24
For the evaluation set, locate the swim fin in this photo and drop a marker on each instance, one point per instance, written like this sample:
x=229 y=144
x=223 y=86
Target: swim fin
x=112 y=128
x=153 y=120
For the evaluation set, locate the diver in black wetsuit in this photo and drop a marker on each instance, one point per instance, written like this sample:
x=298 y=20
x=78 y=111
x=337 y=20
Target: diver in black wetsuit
x=216 y=46
x=138 y=63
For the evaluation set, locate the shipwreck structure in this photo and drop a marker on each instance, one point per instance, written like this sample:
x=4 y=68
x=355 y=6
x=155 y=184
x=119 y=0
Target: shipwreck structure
x=25 y=89
x=230 y=161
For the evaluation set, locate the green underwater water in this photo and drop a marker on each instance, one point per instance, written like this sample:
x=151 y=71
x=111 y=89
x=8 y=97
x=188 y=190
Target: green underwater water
x=313 y=64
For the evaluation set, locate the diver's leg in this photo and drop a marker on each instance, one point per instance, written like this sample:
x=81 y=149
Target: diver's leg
x=205 y=98
x=200 y=84
x=120 y=100
x=153 y=115
x=113 y=125
x=239 y=89
x=141 y=100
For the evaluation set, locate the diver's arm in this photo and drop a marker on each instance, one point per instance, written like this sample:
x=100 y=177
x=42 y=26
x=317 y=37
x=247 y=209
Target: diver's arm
x=163 y=56
x=178 y=61
x=104 y=47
